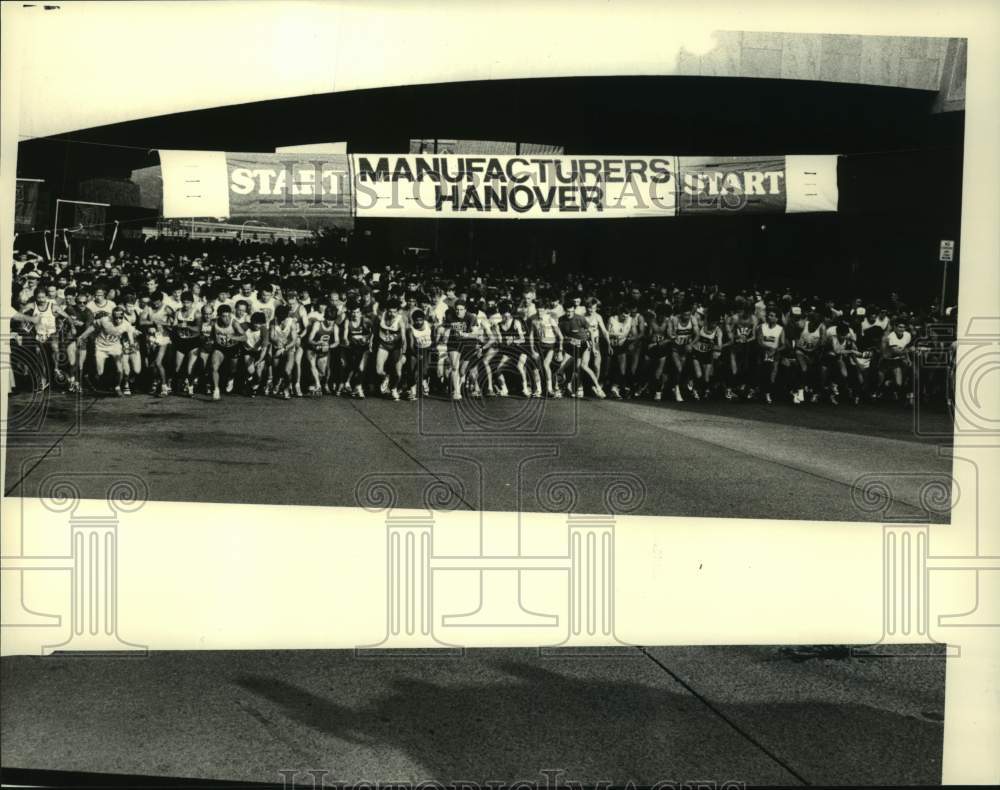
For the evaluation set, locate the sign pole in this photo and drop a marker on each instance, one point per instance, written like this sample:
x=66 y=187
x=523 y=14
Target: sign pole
x=944 y=282
x=945 y=255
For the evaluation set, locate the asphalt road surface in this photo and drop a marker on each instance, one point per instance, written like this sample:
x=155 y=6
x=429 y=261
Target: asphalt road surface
x=693 y=459
x=759 y=715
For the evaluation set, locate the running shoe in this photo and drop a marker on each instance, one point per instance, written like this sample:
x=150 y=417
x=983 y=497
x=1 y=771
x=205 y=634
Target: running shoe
x=359 y=392
x=425 y=387
x=694 y=393
x=384 y=386
x=118 y=392
x=127 y=390
x=657 y=396
x=267 y=390
x=730 y=395
x=768 y=399
x=286 y=393
x=229 y=386
x=216 y=395
x=677 y=394
x=456 y=396
x=615 y=392
x=579 y=392
x=599 y=392
x=526 y=391
x=395 y=394
x=412 y=394
x=503 y=391
x=298 y=390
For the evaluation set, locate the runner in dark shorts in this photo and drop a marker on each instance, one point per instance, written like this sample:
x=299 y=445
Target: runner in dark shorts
x=78 y=320
x=186 y=339
x=463 y=338
x=512 y=349
x=356 y=336
x=419 y=345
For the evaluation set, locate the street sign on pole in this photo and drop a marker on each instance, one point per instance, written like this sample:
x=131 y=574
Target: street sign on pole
x=946 y=254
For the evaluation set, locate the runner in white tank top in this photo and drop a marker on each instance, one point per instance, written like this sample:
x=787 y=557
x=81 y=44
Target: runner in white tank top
x=619 y=330
x=109 y=332
x=683 y=330
x=770 y=341
x=808 y=350
x=420 y=340
x=897 y=360
x=391 y=347
x=841 y=351
x=255 y=352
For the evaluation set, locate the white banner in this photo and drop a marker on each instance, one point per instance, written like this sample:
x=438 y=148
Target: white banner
x=195 y=183
x=523 y=186
x=392 y=185
x=811 y=184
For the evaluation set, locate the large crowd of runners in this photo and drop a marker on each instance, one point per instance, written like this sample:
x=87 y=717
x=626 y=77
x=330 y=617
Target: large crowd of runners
x=288 y=324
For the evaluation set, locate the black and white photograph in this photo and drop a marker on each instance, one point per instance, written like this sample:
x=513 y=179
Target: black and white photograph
x=749 y=322
x=511 y=311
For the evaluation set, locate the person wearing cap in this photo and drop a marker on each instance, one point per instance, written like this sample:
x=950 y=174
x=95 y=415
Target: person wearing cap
x=793 y=323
